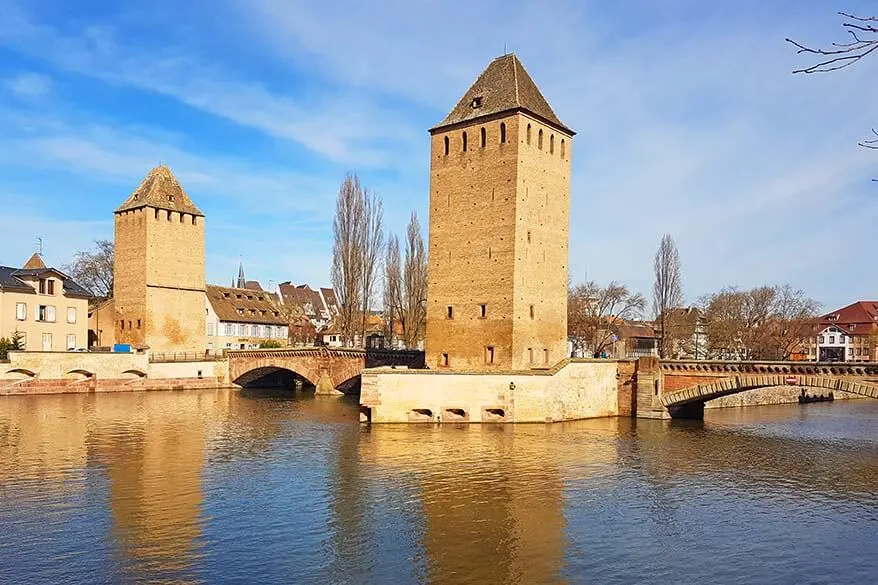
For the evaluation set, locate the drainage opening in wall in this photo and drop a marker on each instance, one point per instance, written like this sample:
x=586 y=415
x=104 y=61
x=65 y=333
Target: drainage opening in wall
x=421 y=415
x=493 y=415
x=452 y=414
x=365 y=414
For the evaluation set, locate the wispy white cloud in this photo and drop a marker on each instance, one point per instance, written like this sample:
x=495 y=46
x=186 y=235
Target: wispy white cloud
x=28 y=85
x=689 y=119
x=324 y=123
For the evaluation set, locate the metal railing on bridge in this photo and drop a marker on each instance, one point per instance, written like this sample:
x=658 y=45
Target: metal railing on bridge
x=185 y=356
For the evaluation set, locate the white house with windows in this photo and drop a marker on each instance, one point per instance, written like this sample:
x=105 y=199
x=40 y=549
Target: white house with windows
x=849 y=334
x=240 y=318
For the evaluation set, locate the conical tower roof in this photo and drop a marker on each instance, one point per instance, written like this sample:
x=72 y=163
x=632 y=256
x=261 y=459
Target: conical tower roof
x=35 y=262
x=504 y=86
x=160 y=189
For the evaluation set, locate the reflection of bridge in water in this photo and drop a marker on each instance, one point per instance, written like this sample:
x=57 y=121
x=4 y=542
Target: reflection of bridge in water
x=329 y=370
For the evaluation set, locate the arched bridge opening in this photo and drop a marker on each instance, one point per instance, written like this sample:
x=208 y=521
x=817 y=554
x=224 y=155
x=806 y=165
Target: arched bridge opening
x=689 y=403
x=273 y=377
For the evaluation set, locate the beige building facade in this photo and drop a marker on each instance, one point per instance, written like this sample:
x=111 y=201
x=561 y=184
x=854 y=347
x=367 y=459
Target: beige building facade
x=159 y=283
x=240 y=318
x=499 y=227
x=44 y=305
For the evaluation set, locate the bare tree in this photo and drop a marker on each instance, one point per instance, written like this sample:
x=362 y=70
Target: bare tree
x=862 y=41
x=414 y=314
x=766 y=322
x=347 y=255
x=592 y=309
x=667 y=292
x=93 y=268
x=392 y=287
x=371 y=248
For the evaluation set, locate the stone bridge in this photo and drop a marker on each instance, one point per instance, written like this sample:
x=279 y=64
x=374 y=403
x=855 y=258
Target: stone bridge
x=680 y=388
x=329 y=370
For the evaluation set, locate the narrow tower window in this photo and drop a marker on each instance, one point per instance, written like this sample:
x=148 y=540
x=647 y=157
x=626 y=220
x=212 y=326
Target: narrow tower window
x=483 y=311
x=446 y=146
x=464 y=141
x=444 y=359
x=528 y=133
x=552 y=144
x=540 y=139
x=562 y=148
x=531 y=311
x=489 y=354
x=449 y=312
x=502 y=132
x=484 y=134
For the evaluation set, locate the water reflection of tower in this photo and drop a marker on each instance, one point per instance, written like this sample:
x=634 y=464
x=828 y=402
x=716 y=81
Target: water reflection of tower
x=491 y=498
x=154 y=456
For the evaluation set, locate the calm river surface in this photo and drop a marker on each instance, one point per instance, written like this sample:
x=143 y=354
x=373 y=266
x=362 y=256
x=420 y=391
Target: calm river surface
x=271 y=487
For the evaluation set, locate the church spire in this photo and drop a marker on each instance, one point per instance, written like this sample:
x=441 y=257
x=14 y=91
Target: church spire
x=242 y=282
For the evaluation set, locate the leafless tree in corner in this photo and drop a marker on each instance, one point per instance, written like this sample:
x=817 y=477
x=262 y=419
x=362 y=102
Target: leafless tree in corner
x=347 y=256
x=667 y=292
x=93 y=268
x=414 y=285
x=371 y=249
x=862 y=41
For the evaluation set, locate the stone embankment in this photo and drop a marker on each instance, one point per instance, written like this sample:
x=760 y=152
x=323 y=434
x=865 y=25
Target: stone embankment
x=70 y=372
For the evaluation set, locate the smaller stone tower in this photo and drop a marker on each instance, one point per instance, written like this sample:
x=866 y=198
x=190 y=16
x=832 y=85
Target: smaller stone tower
x=158 y=275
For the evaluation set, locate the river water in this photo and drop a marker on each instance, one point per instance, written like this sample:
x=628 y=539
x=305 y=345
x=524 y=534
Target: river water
x=272 y=487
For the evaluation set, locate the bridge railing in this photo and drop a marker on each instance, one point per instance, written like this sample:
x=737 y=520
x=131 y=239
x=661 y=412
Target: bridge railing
x=185 y=356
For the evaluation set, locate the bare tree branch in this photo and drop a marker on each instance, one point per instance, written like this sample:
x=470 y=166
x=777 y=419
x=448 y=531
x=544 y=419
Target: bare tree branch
x=93 y=268
x=842 y=55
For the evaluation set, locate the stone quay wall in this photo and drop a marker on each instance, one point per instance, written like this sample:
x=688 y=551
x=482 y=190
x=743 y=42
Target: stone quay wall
x=73 y=372
x=574 y=389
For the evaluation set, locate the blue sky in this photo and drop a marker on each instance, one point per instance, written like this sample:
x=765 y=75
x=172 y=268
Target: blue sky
x=689 y=122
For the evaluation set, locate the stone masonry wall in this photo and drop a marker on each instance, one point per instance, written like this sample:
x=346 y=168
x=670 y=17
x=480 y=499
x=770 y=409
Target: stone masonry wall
x=541 y=240
x=471 y=245
x=575 y=390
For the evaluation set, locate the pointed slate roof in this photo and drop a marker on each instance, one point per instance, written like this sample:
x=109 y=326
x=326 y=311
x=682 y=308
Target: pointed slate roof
x=504 y=86
x=35 y=262
x=160 y=189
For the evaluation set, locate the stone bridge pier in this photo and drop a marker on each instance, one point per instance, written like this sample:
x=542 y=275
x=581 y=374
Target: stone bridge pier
x=680 y=389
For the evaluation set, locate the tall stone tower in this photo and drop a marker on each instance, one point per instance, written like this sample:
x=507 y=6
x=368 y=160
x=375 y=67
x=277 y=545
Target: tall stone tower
x=499 y=227
x=158 y=276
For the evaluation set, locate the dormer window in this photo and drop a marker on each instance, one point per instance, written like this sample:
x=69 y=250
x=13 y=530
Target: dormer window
x=171 y=198
x=226 y=295
x=240 y=311
x=477 y=102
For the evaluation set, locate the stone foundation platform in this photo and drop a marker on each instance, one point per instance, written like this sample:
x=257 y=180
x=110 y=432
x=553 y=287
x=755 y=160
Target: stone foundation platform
x=573 y=389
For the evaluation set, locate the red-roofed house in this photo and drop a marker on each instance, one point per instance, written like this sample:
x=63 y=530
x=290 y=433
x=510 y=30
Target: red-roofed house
x=849 y=334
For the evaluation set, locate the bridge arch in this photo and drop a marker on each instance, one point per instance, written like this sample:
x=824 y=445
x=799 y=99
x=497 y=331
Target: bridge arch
x=272 y=376
x=701 y=393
